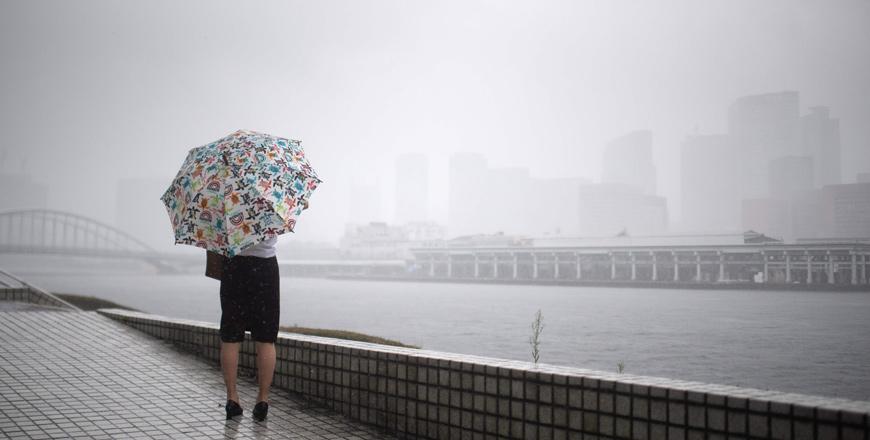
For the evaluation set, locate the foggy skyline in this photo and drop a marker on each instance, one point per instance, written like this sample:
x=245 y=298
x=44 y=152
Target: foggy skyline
x=98 y=91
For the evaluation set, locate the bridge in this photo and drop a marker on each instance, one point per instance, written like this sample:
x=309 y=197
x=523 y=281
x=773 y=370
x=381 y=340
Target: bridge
x=51 y=232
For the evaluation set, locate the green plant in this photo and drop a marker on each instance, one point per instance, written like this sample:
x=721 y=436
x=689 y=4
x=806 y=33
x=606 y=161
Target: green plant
x=535 y=339
x=620 y=367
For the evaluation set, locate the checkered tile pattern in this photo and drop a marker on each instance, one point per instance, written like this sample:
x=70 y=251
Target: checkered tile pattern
x=73 y=374
x=423 y=394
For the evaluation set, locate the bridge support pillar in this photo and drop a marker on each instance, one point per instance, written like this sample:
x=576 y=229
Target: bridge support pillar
x=765 y=278
x=534 y=266
x=697 y=267
x=579 y=271
x=556 y=268
x=495 y=266
x=612 y=267
x=449 y=266
x=655 y=269
x=854 y=269
x=864 y=269
x=633 y=268
x=516 y=265
x=432 y=266
x=787 y=268
x=476 y=266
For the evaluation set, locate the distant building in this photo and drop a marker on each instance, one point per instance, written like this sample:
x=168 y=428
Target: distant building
x=789 y=176
x=373 y=240
x=20 y=191
x=466 y=194
x=821 y=140
x=710 y=184
x=763 y=127
x=484 y=200
x=846 y=209
x=554 y=207
x=628 y=160
x=412 y=188
x=834 y=211
x=770 y=216
x=424 y=231
x=611 y=209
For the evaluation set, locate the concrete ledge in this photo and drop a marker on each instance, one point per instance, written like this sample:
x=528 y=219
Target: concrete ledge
x=436 y=395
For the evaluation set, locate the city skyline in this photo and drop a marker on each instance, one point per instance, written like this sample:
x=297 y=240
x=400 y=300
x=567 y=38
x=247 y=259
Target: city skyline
x=124 y=90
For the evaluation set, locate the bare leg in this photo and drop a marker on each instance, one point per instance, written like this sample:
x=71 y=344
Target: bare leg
x=265 y=368
x=230 y=367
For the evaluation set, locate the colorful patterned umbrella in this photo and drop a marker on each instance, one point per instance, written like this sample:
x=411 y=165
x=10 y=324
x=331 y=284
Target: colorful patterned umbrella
x=233 y=193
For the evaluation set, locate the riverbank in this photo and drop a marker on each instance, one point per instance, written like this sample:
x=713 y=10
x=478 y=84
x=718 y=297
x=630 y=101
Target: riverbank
x=615 y=283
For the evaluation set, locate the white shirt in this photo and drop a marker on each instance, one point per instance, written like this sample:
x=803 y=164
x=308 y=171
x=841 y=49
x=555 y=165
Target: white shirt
x=263 y=249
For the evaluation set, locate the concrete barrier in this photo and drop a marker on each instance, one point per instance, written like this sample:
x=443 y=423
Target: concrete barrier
x=435 y=395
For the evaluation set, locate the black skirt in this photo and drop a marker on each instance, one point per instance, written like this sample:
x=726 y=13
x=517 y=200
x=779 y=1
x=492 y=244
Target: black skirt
x=250 y=299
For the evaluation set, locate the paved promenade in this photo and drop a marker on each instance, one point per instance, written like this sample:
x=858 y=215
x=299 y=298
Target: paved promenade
x=74 y=374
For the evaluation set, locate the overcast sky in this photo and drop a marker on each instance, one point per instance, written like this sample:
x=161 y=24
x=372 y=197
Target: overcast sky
x=96 y=91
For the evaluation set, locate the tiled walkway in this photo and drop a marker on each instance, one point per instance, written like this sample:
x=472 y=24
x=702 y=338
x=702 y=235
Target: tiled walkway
x=70 y=374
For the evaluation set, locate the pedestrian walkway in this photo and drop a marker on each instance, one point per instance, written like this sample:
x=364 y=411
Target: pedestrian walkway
x=74 y=374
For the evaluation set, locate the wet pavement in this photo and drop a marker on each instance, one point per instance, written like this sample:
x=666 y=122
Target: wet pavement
x=74 y=374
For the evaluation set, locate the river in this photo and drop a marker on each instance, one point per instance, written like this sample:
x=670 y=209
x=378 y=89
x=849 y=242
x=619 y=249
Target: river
x=805 y=342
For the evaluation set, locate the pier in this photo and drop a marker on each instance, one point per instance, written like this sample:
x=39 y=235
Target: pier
x=769 y=263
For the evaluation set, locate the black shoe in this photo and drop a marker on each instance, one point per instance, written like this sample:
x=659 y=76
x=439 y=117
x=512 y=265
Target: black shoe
x=233 y=409
x=260 y=410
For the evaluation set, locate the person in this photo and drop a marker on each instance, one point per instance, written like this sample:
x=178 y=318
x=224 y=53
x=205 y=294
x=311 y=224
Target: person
x=250 y=299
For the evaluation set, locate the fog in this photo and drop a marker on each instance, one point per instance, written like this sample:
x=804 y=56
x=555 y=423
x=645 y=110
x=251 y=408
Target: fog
x=97 y=95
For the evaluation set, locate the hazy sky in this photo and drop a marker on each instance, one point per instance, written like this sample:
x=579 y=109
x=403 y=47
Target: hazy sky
x=96 y=91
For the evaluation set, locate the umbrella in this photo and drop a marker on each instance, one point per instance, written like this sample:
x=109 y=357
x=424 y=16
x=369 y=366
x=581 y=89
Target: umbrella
x=235 y=192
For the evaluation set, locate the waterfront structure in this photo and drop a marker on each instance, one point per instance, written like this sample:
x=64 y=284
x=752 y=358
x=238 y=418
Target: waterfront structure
x=610 y=209
x=412 y=188
x=763 y=127
x=820 y=136
x=708 y=259
x=628 y=161
x=710 y=184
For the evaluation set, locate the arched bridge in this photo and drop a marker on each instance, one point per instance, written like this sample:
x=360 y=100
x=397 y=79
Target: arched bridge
x=44 y=231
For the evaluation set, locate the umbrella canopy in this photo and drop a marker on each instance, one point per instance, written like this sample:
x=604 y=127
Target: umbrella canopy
x=234 y=192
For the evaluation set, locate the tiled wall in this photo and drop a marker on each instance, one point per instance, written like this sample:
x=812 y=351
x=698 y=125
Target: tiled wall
x=436 y=395
x=29 y=295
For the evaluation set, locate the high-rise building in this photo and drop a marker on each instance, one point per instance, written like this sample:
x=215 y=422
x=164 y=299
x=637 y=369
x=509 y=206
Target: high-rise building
x=609 y=209
x=466 y=194
x=412 y=188
x=710 y=184
x=763 y=127
x=820 y=136
x=628 y=160
x=790 y=176
x=846 y=209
